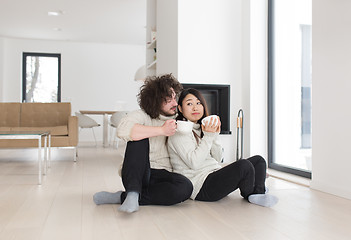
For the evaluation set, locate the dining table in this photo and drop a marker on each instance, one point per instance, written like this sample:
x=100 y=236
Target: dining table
x=105 y=114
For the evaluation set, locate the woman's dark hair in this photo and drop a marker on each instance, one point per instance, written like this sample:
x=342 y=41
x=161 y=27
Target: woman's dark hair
x=155 y=91
x=199 y=96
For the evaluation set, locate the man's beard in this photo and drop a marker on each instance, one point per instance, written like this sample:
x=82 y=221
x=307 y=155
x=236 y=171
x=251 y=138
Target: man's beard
x=169 y=114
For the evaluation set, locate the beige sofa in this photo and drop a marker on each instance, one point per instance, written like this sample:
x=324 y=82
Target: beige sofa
x=53 y=117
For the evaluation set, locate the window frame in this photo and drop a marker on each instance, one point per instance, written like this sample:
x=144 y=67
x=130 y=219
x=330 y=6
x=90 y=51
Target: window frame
x=271 y=110
x=24 y=71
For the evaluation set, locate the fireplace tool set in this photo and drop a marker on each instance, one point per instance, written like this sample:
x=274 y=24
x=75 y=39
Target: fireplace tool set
x=239 y=134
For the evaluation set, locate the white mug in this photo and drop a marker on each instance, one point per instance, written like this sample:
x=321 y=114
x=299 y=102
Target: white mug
x=208 y=119
x=184 y=126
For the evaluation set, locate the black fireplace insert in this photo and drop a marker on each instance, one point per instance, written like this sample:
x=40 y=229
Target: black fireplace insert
x=218 y=101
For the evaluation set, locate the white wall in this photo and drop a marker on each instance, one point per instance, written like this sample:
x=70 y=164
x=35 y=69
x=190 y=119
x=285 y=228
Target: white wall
x=93 y=76
x=167 y=35
x=1 y=67
x=331 y=87
x=257 y=92
x=246 y=75
x=209 y=51
x=254 y=77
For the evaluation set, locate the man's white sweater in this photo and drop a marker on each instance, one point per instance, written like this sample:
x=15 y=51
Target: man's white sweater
x=159 y=157
x=195 y=160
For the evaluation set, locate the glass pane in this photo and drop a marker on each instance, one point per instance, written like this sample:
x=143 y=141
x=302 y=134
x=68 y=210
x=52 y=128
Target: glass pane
x=41 y=79
x=292 y=83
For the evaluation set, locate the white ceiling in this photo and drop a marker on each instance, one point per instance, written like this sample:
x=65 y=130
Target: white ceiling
x=101 y=21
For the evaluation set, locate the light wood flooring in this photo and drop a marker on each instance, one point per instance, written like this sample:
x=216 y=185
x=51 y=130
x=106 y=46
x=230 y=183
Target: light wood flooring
x=62 y=207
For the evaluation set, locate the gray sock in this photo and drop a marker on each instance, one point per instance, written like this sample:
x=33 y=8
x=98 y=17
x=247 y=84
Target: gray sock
x=131 y=203
x=264 y=200
x=107 y=198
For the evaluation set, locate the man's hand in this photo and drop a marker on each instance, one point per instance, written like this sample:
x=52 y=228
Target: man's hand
x=169 y=127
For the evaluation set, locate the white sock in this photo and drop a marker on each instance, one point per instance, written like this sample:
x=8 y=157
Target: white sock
x=131 y=203
x=107 y=197
x=264 y=200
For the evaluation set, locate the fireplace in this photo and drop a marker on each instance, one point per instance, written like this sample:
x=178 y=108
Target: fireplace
x=218 y=101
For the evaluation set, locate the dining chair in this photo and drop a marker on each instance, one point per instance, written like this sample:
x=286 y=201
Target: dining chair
x=114 y=121
x=85 y=121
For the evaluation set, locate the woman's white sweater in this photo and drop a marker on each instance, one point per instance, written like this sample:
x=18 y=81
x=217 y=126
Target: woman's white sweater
x=195 y=160
x=159 y=157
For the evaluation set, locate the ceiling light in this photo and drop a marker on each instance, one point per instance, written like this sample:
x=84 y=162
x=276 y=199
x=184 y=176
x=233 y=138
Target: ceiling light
x=56 y=13
x=57 y=29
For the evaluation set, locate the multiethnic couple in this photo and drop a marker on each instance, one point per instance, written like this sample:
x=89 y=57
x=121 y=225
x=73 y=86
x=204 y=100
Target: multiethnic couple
x=163 y=166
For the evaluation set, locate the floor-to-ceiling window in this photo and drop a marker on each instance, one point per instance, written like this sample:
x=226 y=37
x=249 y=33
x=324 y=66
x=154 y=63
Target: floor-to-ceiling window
x=290 y=83
x=41 y=77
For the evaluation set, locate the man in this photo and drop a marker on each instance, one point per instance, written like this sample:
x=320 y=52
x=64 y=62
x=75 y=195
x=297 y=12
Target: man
x=147 y=172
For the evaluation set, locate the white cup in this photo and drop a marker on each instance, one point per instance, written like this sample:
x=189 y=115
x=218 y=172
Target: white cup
x=208 y=119
x=184 y=126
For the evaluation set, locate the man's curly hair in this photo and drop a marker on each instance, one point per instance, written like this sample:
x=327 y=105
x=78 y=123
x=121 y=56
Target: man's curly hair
x=155 y=91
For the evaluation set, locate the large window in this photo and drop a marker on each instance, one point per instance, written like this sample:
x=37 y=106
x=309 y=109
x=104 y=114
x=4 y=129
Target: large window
x=290 y=84
x=41 y=77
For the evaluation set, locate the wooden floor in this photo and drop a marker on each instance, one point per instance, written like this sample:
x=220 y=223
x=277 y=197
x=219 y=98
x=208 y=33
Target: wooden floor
x=62 y=207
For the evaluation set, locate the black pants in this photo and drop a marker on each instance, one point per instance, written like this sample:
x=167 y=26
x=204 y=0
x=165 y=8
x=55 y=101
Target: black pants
x=156 y=186
x=249 y=175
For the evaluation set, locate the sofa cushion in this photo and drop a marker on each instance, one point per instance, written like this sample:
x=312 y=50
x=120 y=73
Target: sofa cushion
x=54 y=131
x=10 y=114
x=44 y=114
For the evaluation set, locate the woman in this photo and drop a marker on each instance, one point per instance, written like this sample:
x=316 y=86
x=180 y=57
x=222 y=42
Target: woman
x=197 y=155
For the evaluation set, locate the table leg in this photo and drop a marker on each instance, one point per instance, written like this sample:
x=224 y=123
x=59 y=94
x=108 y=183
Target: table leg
x=105 y=129
x=75 y=154
x=39 y=159
x=49 y=157
x=45 y=154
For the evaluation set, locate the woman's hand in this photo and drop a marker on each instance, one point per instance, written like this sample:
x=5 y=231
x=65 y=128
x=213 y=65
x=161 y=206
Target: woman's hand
x=210 y=126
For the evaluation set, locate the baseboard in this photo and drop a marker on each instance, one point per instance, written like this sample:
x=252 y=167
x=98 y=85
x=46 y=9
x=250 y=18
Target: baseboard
x=289 y=177
x=327 y=188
